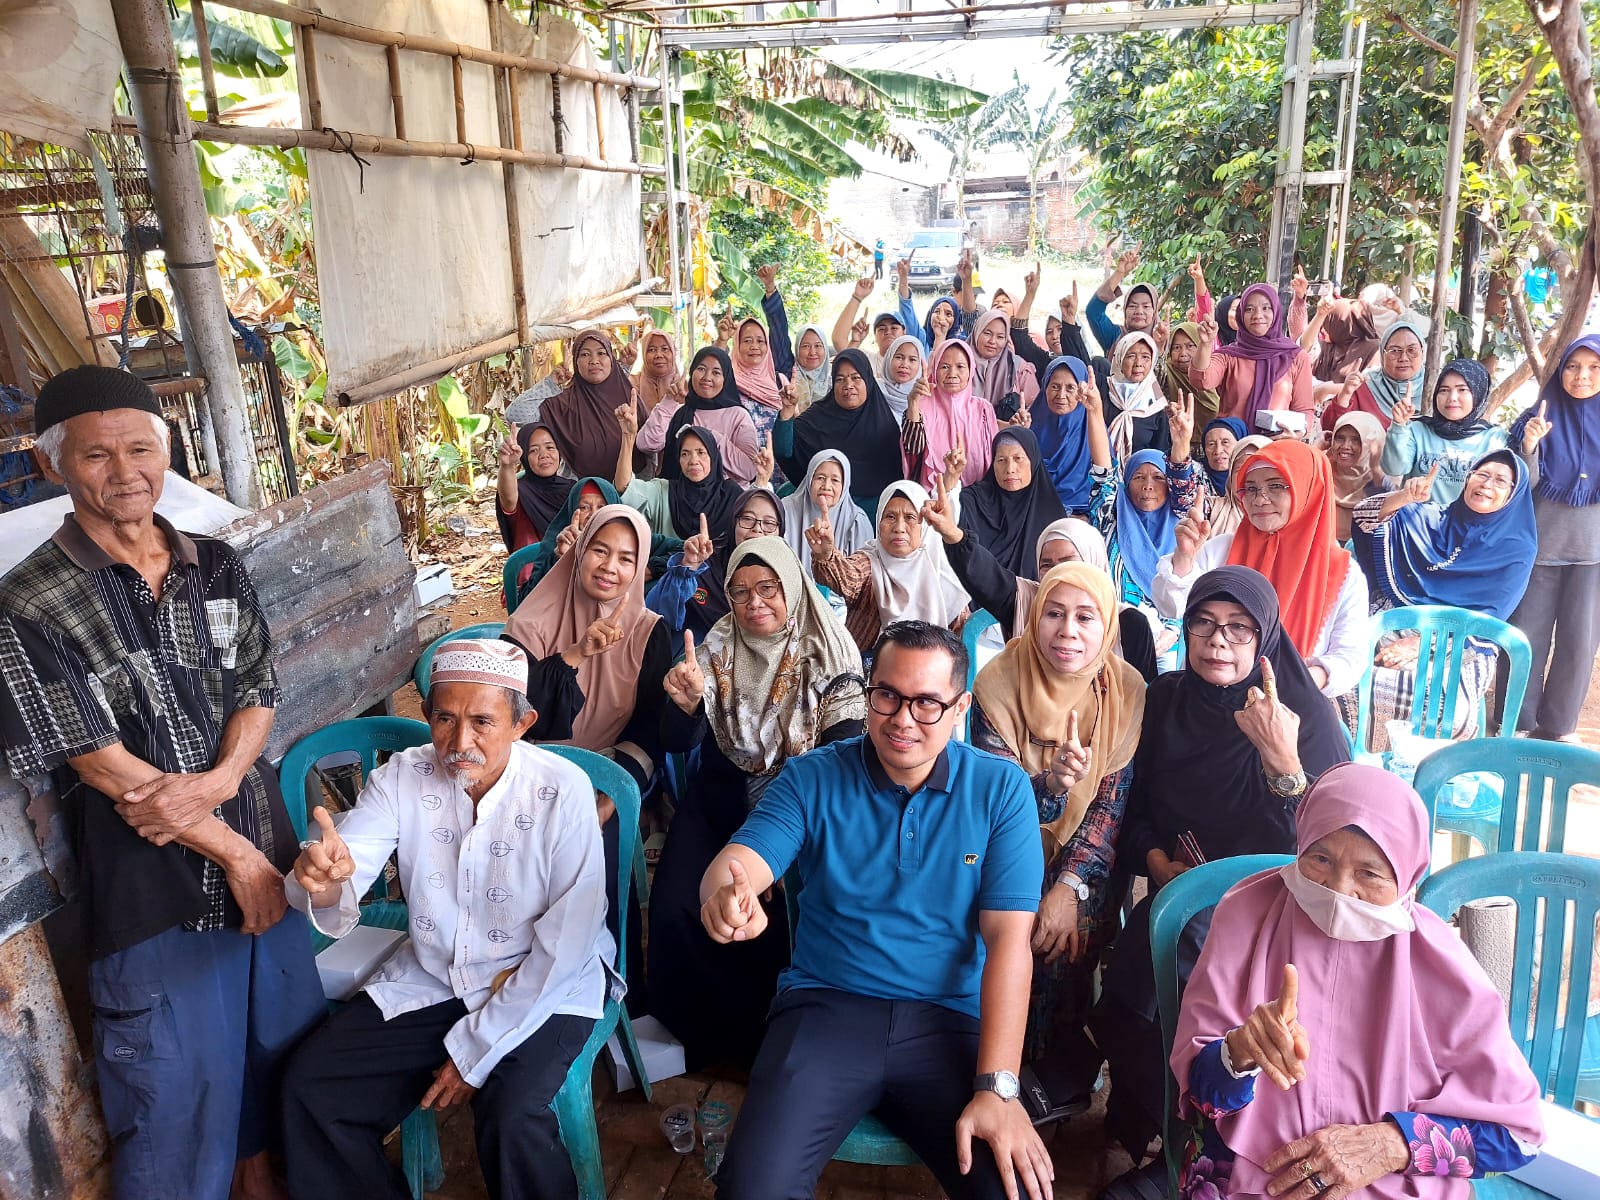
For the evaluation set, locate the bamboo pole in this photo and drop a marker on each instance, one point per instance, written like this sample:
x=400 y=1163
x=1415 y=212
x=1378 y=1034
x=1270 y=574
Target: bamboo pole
x=514 y=80
x=202 y=45
x=308 y=45
x=426 y=372
x=432 y=45
x=504 y=101
x=167 y=139
x=429 y=371
x=461 y=99
x=599 y=121
x=557 y=122
x=396 y=96
x=371 y=143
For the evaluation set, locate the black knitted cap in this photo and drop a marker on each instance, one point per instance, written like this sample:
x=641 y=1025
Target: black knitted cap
x=88 y=389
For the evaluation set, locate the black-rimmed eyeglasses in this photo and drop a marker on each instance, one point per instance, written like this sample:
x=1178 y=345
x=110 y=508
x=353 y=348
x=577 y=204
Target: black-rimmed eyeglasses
x=925 y=710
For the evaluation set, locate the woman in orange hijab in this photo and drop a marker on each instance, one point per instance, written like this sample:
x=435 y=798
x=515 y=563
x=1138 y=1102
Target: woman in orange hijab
x=1289 y=535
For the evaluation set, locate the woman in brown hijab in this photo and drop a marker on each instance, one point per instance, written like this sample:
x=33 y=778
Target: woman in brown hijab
x=582 y=417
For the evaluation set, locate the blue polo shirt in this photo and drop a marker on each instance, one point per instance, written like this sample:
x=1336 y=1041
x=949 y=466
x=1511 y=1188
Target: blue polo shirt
x=893 y=881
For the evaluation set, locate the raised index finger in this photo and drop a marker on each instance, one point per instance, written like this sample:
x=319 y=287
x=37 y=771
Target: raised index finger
x=324 y=821
x=1544 y=407
x=1433 y=473
x=1269 y=681
x=1289 y=998
x=705 y=530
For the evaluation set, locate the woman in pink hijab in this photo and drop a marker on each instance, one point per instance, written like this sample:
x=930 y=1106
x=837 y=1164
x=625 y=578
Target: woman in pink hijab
x=946 y=417
x=1390 y=1070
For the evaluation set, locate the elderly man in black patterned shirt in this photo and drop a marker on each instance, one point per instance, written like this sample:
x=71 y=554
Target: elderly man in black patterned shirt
x=135 y=665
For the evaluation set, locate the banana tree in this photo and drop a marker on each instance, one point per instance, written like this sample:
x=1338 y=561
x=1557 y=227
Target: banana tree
x=969 y=133
x=1042 y=137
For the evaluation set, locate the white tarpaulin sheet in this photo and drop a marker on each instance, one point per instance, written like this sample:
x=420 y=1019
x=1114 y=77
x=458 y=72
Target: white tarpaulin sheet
x=59 y=61
x=415 y=263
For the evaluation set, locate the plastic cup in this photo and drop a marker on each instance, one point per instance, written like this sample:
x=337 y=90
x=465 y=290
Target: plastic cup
x=716 y=1119
x=677 y=1123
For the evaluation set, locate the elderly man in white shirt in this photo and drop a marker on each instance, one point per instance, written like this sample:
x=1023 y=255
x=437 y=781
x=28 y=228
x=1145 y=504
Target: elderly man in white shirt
x=506 y=968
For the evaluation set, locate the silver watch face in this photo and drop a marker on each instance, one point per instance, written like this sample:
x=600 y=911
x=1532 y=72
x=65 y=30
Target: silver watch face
x=1004 y=1084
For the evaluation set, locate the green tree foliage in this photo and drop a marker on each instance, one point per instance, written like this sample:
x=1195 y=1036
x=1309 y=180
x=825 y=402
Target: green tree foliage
x=766 y=132
x=1184 y=128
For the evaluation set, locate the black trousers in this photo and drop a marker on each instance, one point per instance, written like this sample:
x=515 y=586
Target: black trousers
x=714 y=998
x=358 y=1076
x=831 y=1057
x=1126 y=1024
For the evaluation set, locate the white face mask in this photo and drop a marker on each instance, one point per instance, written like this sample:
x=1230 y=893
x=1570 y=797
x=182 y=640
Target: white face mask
x=1346 y=918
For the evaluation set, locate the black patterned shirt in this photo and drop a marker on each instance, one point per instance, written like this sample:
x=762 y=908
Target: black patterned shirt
x=89 y=658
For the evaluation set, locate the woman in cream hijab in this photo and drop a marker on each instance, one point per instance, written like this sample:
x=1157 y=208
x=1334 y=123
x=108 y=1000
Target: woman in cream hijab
x=1063 y=706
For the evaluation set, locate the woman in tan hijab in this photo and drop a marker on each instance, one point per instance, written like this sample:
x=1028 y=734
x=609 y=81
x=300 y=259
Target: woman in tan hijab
x=596 y=655
x=1062 y=705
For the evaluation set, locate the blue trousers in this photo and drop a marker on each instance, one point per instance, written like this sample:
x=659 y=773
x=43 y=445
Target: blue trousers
x=190 y=1033
x=828 y=1059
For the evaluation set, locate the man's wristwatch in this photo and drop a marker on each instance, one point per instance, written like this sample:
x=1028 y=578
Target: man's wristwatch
x=1076 y=886
x=1287 y=785
x=1002 y=1083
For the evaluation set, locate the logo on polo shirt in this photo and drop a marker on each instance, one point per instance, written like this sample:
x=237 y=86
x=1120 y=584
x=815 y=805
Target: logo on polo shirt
x=971 y=860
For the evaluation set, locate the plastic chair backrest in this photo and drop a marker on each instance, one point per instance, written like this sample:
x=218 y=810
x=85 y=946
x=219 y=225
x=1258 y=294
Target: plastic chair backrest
x=978 y=621
x=508 y=577
x=614 y=781
x=419 y=673
x=1174 y=906
x=1567 y=889
x=1537 y=778
x=367 y=736
x=1444 y=631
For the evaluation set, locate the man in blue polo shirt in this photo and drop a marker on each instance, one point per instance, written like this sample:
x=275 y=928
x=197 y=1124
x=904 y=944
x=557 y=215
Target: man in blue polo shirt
x=908 y=995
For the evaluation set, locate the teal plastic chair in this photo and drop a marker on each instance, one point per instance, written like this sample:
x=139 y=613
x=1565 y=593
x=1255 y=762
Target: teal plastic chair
x=1566 y=888
x=870 y=1142
x=508 y=577
x=419 y=673
x=1444 y=632
x=1175 y=905
x=980 y=620
x=574 y=1103
x=368 y=737
x=1536 y=778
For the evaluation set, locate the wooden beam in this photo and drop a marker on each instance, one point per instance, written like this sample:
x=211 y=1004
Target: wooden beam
x=396 y=97
x=433 y=45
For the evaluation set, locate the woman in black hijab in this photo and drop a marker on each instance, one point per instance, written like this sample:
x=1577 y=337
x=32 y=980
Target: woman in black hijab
x=1228 y=749
x=1008 y=508
x=540 y=490
x=856 y=421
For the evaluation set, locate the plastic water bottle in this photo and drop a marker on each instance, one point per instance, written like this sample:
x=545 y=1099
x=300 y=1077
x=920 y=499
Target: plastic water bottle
x=678 y=1124
x=716 y=1119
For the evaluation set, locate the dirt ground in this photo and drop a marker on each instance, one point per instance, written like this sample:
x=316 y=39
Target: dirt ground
x=639 y=1163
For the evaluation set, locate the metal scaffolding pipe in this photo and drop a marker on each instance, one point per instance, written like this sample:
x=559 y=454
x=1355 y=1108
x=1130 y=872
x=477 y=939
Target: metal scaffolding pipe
x=1466 y=83
x=166 y=135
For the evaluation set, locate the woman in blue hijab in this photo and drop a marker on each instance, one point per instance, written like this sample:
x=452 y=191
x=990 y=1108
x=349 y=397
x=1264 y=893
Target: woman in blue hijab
x=1559 y=439
x=1217 y=451
x=1475 y=553
x=1061 y=423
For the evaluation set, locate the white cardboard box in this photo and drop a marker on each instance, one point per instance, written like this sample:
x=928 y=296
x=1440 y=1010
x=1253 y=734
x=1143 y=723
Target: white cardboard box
x=1568 y=1166
x=432 y=582
x=350 y=962
x=662 y=1054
